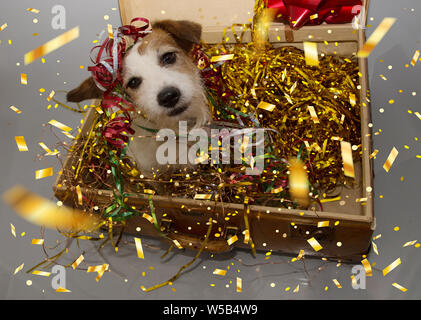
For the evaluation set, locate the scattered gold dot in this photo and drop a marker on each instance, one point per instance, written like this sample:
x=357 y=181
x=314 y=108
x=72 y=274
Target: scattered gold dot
x=35 y=20
x=106 y=17
x=339 y=244
x=391 y=101
x=29 y=283
x=396 y=228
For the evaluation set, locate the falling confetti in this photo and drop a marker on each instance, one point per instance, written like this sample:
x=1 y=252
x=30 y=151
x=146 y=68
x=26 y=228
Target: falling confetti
x=392 y=266
x=311 y=53
x=376 y=37
x=20 y=141
x=51 y=45
x=139 y=248
x=390 y=159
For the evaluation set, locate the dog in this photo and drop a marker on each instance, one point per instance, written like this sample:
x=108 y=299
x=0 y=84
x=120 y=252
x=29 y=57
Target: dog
x=164 y=84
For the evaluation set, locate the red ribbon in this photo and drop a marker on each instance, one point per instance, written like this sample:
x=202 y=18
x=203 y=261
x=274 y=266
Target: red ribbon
x=107 y=75
x=299 y=12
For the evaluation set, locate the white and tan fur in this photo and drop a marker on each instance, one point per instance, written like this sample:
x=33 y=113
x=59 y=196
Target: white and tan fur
x=144 y=61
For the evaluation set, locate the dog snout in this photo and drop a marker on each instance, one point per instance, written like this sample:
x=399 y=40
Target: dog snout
x=168 y=97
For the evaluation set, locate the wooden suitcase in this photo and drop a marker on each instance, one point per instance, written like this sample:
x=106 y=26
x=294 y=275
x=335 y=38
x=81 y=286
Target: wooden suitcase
x=348 y=236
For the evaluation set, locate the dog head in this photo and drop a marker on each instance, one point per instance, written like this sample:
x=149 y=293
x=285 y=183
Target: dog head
x=160 y=77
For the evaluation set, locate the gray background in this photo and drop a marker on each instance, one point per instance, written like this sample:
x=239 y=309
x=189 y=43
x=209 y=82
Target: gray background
x=399 y=206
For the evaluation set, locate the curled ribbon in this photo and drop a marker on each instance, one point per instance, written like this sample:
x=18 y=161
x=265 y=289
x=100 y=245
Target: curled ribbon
x=107 y=75
x=303 y=12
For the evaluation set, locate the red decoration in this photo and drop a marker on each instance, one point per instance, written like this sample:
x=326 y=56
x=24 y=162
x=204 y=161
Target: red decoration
x=300 y=12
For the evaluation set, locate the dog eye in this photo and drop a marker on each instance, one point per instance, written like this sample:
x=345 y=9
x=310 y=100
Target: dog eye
x=168 y=58
x=134 y=83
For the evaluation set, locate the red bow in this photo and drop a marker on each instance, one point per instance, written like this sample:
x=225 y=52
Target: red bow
x=302 y=12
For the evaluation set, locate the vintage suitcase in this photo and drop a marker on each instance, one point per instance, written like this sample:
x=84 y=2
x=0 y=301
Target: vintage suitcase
x=348 y=236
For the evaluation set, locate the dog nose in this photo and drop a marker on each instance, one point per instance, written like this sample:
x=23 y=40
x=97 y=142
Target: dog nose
x=169 y=97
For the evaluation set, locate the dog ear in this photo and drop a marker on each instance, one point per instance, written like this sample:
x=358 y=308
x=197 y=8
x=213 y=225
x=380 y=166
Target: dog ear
x=86 y=90
x=185 y=33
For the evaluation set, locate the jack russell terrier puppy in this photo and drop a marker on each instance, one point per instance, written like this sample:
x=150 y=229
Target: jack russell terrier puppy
x=164 y=84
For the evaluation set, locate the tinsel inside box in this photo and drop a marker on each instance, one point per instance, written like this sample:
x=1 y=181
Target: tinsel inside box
x=342 y=229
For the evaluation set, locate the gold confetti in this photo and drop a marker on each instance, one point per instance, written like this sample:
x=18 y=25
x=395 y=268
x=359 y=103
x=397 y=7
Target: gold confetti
x=415 y=58
x=68 y=135
x=139 y=248
x=336 y=282
x=24 y=78
x=43 y=212
x=43 y=173
x=376 y=37
x=20 y=141
x=246 y=236
x=18 y=268
x=367 y=268
x=202 y=196
x=390 y=159
x=232 y=239
x=315 y=244
x=177 y=244
x=61 y=289
x=52 y=45
x=266 y=106
x=300 y=255
x=375 y=248
x=418 y=115
x=4 y=26
x=59 y=125
x=99 y=269
x=322 y=224
x=313 y=114
x=311 y=53
x=38 y=242
x=79 y=195
x=297 y=288
x=46 y=149
x=51 y=95
x=409 y=243
x=33 y=10
x=392 y=266
x=374 y=154
x=348 y=162
x=149 y=191
x=13 y=230
x=148 y=217
x=224 y=57
x=15 y=109
x=298 y=182
x=220 y=272
x=239 y=284
x=398 y=286
x=330 y=199
x=110 y=31
x=377 y=237
x=41 y=273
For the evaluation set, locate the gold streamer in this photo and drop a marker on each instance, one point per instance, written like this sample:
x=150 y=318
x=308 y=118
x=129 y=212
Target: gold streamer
x=15 y=109
x=38 y=241
x=415 y=58
x=24 y=78
x=224 y=57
